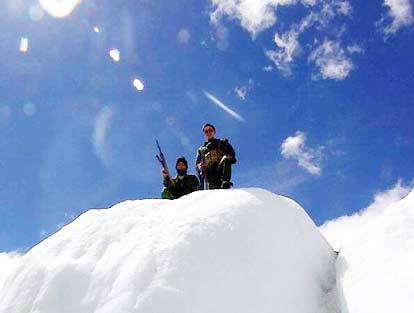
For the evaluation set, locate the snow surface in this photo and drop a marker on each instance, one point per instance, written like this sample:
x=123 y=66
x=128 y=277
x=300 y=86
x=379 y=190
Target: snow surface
x=343 y=228
x=223 y=251
x=375 y=265
x=8 y=263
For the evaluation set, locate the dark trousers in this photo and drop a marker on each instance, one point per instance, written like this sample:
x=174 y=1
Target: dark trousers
x=220 y=174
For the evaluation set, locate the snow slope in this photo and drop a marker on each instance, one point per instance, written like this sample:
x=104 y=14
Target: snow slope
x=223 y=251
x=8 y=263
x=375 y=265
x=341 y=229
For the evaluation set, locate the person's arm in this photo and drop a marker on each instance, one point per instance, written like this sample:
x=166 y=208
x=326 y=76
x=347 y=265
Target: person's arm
x=167 y=181
x=200 y=164
x=195 y=183
x=229 y=151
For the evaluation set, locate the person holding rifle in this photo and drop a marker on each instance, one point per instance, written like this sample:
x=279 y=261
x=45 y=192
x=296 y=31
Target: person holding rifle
x=180 y=185
x=214 y=160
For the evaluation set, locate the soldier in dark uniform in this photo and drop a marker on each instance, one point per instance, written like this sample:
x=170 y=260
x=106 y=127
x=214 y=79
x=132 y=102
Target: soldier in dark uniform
x=214 y=160
x=180 y=185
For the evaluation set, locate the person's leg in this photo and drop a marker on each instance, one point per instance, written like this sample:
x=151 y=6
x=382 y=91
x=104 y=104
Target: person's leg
x=214 y=181
x=225 y=172
x=166 y=194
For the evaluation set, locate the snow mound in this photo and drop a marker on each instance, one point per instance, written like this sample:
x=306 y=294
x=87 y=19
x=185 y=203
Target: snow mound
x=223 y=251
x=341 y=229
x=375 y=265
x=8 y=263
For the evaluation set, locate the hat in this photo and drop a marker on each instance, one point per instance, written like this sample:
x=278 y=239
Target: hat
x=208 y=125
x=181 y=159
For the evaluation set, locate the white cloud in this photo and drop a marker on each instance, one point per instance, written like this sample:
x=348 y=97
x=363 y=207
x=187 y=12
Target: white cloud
x=355 y=49
x=288 y=48
x=401 y=13
x=344 y=7
x=339 y=230
x=254 y=15
x=100 y=133
x=242 y=91
x=258 y=15
x=224 y=107
x=332 y=60
x=268 y=68
x=294 y=147
x=288 y=45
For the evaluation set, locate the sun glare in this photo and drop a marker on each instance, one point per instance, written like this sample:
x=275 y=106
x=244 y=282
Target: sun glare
x=36 y=13
x=138 y=84
x=115 y=55
x=59 y=8
x=24 y=45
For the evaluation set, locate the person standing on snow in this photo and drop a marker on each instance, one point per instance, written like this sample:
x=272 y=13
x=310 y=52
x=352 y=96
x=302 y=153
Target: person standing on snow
x=180 y=185
x=214 y=160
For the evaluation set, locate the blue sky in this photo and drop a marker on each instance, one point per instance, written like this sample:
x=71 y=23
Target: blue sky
x=321 y=90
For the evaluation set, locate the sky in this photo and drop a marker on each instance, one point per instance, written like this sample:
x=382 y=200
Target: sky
x=314 y=95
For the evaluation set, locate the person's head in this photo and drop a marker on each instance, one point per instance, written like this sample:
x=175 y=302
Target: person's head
x=181 y=166
x=209 y=131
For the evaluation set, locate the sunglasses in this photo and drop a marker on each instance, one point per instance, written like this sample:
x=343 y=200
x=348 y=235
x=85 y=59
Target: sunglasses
x=208 y=130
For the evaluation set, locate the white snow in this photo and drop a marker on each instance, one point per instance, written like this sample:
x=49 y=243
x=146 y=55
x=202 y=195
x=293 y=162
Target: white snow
x=225 y=251
x=8 y=263
x=375 y=265
x=339 y=230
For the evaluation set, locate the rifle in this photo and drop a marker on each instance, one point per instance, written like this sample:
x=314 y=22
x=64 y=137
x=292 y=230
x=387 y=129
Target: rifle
x=161 y=158
x=206 y=185
x=202 y=175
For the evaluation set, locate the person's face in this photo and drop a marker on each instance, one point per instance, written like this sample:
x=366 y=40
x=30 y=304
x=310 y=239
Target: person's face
x=181 y=166
x=209 y=132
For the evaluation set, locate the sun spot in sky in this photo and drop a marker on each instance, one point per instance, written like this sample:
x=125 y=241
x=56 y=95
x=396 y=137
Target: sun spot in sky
x=183 y=36
x=96 y=29
x=36 y=13
x=170 y=120
x=29 y=109
x=115 y=55
x=59 y=8
x=185 y=141
x=138 y=84
x=24 y=45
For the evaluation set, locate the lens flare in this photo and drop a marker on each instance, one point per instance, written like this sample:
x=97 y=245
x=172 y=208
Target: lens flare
x=115 y=55
x=59 y=8
x=36 y=13
x=138 y=84
x=24 y=45
x=183 y=36
x=224 y=107
x=29 y=109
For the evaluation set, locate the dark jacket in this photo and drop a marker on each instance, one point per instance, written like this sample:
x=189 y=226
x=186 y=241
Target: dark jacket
x=221 y=146
x=182 y=185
